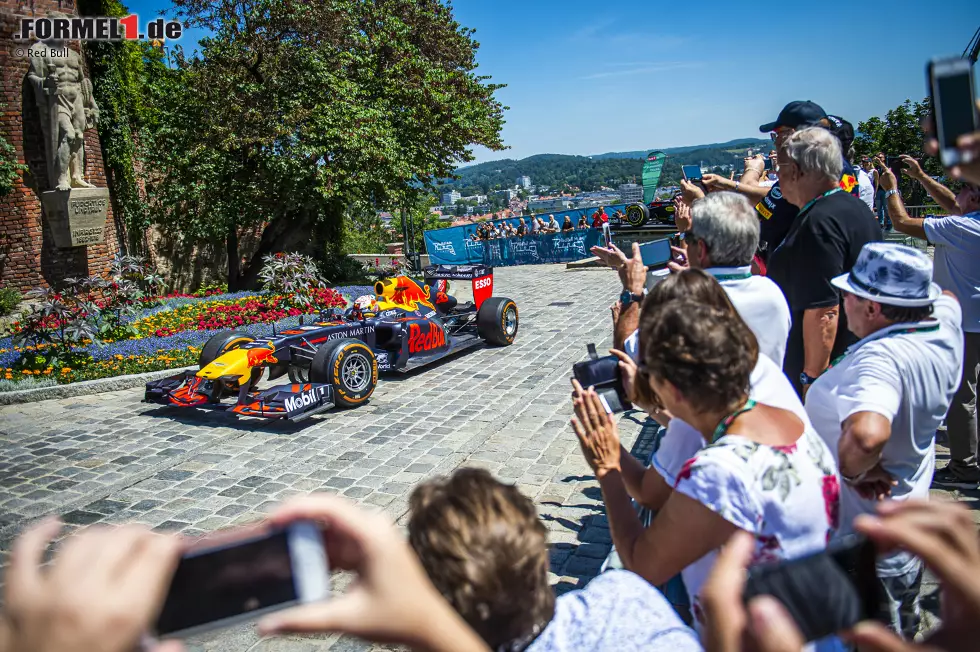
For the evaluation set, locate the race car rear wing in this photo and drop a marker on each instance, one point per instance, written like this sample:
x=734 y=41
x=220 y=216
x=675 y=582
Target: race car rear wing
x=480 y=275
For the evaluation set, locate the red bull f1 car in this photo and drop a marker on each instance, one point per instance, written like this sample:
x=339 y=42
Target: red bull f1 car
x=336 y=360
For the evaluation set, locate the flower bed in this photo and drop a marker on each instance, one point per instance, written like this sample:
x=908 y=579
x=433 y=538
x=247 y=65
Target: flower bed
x=169 y=335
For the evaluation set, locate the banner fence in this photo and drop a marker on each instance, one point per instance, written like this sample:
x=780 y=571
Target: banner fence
x=455 y=245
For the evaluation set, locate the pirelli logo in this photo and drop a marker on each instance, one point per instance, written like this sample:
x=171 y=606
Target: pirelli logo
x=763 y=211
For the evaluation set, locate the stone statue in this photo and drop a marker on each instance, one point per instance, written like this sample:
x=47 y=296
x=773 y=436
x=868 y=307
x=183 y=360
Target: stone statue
x=64 y=98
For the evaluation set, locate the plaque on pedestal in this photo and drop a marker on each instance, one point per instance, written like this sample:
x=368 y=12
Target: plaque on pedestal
x=77 y=217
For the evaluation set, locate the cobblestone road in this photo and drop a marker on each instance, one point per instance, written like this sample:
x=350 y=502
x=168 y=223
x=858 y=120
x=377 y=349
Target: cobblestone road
x=110 y=458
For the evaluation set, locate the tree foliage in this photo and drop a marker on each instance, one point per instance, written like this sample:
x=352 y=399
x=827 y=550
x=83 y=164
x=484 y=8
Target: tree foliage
x=125 y=73
x=297 y=113
x=10 y=167
x=900 y=132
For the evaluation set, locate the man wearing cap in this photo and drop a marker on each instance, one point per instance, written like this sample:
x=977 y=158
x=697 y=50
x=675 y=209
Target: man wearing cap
x=878 y=406
x=957 y=240
x=777 y=214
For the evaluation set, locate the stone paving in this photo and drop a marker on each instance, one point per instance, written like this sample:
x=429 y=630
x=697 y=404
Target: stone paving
x=109 y=458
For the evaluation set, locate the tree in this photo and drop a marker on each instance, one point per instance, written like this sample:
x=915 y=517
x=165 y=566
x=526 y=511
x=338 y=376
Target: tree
x=296 y=113
x=422 y=219
x=900 y=132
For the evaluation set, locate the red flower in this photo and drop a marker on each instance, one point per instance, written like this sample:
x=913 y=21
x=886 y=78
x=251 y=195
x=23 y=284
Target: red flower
x=831 y=500
x=685 y=471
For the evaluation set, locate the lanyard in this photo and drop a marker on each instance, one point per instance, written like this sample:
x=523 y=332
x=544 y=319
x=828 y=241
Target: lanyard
x=727 y=421
x=807 y=206
x=732 y=277
x=898 y=331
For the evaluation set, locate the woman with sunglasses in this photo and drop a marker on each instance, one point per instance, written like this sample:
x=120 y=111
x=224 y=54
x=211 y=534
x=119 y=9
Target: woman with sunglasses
x=760 y=468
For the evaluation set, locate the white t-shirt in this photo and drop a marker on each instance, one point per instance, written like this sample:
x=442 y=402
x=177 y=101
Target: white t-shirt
x=910 y=378
x=681 y=442
x=866 y=187
x=956 y=266
x=786 y=496
x=761 y=305
x=759 y=302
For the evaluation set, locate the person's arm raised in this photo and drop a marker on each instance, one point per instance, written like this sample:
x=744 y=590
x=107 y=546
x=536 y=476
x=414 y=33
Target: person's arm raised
x=903 y=223
x=942 y=195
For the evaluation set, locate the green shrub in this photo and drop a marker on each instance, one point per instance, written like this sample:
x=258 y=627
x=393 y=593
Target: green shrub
x=10 y=298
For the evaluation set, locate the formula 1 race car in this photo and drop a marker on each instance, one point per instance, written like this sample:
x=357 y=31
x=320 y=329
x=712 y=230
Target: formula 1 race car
x=336 y=360
x=639 y=214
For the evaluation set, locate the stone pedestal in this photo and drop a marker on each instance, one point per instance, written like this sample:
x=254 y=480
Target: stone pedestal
x=77 y=217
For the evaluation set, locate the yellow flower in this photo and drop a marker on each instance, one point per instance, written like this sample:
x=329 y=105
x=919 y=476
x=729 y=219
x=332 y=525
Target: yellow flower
x=66 y=370
x=26 y=371
x=118 y=356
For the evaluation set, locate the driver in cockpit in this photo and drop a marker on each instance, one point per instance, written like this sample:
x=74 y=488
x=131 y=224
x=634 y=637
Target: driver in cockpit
x=364 y=307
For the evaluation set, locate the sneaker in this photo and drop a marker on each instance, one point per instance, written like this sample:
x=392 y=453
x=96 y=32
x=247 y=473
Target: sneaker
x=968 y=478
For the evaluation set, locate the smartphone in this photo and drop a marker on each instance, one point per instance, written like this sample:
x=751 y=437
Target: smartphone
x=227 y=579
x=606 y=234
x=603 y=374
x=953 y=104
x=675 y=240
x=691 y=172
x=656 y=253
x=824 y=593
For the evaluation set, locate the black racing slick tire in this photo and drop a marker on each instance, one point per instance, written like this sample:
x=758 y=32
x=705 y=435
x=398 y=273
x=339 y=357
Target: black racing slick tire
x=497 y=321
x=221 y=343
x=350 y=367
x=637 y=214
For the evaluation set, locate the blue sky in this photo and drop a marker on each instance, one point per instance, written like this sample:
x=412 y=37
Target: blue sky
x=593 y=77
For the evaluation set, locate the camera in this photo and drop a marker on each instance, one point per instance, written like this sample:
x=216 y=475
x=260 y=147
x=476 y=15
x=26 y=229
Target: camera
x=603 y=374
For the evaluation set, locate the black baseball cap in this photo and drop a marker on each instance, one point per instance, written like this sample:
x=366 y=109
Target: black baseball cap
x=844 y=131
x=800 y=113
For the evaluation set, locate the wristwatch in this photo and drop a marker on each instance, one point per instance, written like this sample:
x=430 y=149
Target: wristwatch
x=893 y=191
x=806 y=379
x=627 y=297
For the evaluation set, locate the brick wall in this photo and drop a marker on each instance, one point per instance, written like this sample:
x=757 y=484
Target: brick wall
x=28 y=257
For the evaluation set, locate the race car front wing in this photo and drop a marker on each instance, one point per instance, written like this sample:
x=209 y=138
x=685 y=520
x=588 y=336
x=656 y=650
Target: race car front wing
x=293 y=401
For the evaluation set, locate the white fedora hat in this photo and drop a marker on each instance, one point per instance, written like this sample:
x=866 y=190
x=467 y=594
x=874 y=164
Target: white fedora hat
x=891 y=273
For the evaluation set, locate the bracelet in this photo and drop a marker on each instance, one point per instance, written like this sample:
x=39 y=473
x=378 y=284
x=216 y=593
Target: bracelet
x=893 y=191
x=736 y=186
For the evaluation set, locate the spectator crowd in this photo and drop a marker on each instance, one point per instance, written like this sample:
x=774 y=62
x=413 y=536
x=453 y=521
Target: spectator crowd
x=797 y=409
x=536 y=225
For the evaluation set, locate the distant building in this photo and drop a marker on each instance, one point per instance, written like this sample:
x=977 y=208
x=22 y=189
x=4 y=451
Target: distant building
x=630 y=192
x=506 y=194
x=549 y=205
x=451 y=197
x=524 y=182
x=479 y=199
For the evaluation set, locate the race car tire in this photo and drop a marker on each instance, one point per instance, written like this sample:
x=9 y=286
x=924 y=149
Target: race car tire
x=497 y=321
x=222 y=343
x=637 y=214
x=350 y=367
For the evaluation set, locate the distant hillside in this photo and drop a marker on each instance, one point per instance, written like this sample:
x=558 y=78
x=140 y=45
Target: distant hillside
x=587 y=173
x=738 y=143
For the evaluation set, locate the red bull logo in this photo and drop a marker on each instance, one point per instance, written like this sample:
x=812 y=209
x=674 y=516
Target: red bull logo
x=256 y=357
x=847 y=182
x=403 y=291
x=425 y=340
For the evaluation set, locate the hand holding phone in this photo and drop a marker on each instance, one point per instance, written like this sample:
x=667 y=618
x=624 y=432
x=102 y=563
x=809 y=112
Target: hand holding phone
x=691 y=172
x=953 y=95
x=237 y=575
x=606 y=235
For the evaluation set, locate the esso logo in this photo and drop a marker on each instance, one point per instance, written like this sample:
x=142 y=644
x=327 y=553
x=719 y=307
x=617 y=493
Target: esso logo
x=481 y=283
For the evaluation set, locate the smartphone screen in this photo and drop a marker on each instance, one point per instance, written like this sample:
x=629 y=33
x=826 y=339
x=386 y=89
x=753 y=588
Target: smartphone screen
x=656 y=253
x=243 y=578
x=824 y=593
x=956 y=109
x=691 y=172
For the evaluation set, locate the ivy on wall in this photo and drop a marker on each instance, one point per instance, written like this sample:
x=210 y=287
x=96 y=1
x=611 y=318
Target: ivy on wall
x=120 y=77
x=10 y=168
